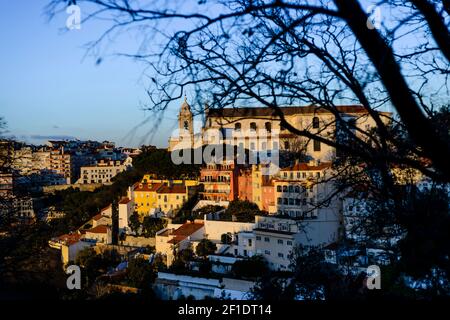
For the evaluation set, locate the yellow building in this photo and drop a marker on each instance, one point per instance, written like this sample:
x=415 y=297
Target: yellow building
x=152 y=195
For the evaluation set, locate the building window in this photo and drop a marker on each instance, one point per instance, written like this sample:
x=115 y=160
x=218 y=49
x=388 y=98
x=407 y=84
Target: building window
x=264 y=146
x=237 y=126
x=279 y=201
x=268 y=126
x=275 y=145
x=286 y=145
x=278 y=188
x=280 y=255
x=267 y=252
x=284 y=188
x=245 y=252
x=315 y=122
x=297 y=189
x=186 y=125
x=249 y=242
x=280 y=241
x=253 y=126
x=289 y=243
x=316 y=145
x=266 y=239
x=258 y=238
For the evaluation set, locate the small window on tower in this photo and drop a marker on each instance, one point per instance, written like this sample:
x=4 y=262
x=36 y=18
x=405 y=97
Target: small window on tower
x=315 y=122
x=186 y=125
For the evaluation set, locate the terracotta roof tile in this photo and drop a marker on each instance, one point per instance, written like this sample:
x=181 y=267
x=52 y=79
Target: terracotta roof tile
x=98 y=229
x=307 y=167
x=176 y=188
x=187 y=229
x=124 y=200
x=265 y=111
x=147 y=187
x=70 y=238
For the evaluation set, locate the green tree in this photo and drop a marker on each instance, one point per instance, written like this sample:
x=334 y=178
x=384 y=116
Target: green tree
x=205 y=267
x=252 y=267
x=205 y=247
x=140 y=273
x=182 y=260
x=242 y=211
x=225 y=238
x=134 y=222
x=152 y=225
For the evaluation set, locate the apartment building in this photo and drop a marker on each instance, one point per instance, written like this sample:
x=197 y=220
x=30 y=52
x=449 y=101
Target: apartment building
x=6 y=184
x=61 y=163
x=103 y=171
x=300 y=189
x=157 y=195
x=275 y=237
x=23 y=208
x=220 y=181
x=171 y=197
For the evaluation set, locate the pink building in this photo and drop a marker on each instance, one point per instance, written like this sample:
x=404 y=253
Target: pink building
x=245 y=188
x=220 y=181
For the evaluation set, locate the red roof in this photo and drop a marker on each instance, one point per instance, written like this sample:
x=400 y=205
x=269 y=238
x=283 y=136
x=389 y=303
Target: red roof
x=147 y=186
x=98 y=229
x=307 y=167
x=124 y=201
x=70 y=238
x=187 y=229
x=105 y=208
x=97 y=217
x=265 y=111
x=176 y=239
x=176 y=188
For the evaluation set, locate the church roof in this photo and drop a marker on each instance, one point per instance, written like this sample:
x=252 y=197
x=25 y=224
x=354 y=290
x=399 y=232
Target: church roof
x=265 y=111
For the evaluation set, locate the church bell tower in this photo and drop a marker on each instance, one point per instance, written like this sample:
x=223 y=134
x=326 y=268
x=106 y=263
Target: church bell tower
x=185 y=121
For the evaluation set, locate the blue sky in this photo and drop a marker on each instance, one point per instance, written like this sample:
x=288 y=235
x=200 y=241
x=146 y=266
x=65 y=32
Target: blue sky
x=48 y=89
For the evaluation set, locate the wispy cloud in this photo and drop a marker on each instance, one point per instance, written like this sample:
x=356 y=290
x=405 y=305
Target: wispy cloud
x=50 y=137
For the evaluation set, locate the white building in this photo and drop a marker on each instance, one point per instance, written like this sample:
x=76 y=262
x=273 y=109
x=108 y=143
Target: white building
x=103 y=171
x=171 y=286
x=276 y=237
x=126 y=209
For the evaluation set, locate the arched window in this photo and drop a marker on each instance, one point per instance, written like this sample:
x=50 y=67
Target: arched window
x=237 y=126
x=186 y=125
x=253 y=126
x=315 y=122
x=268 y=126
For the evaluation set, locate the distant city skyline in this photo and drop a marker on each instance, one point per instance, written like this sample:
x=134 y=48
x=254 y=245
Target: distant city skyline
x=50 y=90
